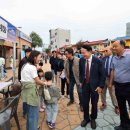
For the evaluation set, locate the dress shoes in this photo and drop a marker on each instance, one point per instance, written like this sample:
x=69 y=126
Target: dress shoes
x=84 y=123
x=93 y=124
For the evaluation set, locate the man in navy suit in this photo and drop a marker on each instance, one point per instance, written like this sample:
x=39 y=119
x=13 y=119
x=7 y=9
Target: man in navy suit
x=92 y=81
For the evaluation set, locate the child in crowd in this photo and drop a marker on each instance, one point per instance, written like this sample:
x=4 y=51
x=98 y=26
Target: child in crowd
x=42 y=104
x=52 y=104
x=63 y=79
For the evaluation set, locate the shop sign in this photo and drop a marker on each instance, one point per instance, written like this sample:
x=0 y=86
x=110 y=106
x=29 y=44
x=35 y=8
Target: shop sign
x=24 y=36
x=7 y=30
x=3 y=29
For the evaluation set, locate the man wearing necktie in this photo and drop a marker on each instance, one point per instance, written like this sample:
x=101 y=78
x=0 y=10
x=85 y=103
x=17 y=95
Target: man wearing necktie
x=107 y=60
x=92 y=81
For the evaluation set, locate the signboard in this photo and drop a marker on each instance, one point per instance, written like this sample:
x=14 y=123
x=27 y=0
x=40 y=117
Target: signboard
x=24 y=36
x=8 y=30
x=3 y=29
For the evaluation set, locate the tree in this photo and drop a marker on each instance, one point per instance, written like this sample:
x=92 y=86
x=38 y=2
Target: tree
x=47 y=50
x=79 y=45
x=36 y=40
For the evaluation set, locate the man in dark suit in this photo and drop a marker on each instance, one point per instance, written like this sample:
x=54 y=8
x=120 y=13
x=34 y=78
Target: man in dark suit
x=92 y=80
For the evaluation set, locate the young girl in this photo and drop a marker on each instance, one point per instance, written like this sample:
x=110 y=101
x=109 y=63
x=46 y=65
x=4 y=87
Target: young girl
x=42 y=104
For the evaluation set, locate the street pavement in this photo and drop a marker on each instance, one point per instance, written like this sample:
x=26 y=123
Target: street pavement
x=69 y=118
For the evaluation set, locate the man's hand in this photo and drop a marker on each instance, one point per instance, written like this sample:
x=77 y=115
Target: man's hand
x=68 y=81
x=80 y=85
x=110 y=86
x=99 y=90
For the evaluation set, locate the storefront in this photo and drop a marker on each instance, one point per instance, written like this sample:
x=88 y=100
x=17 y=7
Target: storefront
x=7 y=40
x=24 y=41
x=10 y=35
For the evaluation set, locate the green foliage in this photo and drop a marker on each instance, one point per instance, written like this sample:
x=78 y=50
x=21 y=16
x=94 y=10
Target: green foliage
x=36 y=40
x=79 y=45
x=47 y=50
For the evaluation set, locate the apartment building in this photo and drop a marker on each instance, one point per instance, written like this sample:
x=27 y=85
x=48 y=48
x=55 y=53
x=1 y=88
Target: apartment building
x=59 y=37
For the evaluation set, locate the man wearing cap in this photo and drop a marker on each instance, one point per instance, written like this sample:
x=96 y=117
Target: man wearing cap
x=120 y=74
x=107 y=60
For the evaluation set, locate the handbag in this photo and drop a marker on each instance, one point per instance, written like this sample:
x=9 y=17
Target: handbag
x=46 y=93
x=15 y=88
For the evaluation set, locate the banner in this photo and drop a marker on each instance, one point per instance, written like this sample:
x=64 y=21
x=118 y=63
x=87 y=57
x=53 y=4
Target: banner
x=24 y=36
x=9 y=33
x=3 y=29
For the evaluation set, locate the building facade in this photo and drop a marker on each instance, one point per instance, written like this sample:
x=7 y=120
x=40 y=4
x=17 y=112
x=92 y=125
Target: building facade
x=9 y=35
x=125 y=38
x=58 y=38
x=128 y=29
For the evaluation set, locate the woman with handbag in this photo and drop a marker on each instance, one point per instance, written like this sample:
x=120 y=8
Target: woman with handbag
x=29 y=94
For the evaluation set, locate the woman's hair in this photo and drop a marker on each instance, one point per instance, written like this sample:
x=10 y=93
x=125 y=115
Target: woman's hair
x=32 y=56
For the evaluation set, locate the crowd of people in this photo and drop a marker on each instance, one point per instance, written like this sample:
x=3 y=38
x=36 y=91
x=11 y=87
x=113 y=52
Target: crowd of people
x=91 y=75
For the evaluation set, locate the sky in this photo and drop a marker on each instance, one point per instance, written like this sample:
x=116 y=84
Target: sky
x=87 y=19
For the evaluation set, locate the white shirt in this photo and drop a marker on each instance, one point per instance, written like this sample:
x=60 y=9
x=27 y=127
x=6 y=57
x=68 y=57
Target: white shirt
x=89 y=62
x=2 y=61
x=28 y=73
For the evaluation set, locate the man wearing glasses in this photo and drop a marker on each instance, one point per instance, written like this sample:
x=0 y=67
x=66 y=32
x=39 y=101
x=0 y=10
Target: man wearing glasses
x=107 y=60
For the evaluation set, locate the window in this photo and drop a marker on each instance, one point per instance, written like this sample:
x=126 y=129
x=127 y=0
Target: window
x=51 y=42
x=67 y=40
x=16 y=53
x=94 y=47
x=23 y=47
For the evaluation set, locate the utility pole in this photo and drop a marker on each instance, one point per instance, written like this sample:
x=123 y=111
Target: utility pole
x=14 y=61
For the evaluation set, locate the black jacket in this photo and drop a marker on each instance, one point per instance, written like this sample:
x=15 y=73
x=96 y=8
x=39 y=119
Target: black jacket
x=53 y=62
x=97 y=77
x=60 y=65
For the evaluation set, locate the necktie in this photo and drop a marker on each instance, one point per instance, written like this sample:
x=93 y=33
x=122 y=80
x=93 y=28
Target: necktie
x=87 y=73
x=107 y=66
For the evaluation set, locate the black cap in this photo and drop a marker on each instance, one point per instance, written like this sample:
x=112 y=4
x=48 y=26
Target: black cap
x=28 y=50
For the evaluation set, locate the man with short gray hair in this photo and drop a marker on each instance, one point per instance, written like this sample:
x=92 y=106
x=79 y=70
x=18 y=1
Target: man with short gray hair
x=120 y=74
